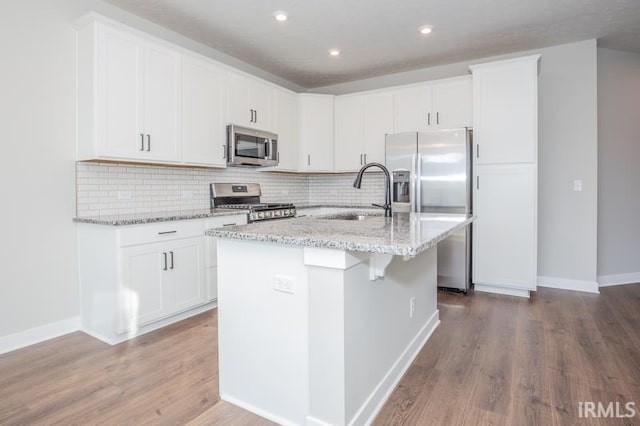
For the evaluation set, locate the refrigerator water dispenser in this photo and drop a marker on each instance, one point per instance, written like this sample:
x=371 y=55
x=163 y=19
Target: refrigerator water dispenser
x=401 y=201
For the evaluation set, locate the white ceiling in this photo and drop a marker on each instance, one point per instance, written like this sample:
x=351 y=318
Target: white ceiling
x=380 y=37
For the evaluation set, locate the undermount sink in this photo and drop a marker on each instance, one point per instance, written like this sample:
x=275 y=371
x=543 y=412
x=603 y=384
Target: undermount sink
x=350 y=216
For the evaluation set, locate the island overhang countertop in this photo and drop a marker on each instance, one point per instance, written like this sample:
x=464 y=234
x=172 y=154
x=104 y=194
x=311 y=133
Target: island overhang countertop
x=404 y=234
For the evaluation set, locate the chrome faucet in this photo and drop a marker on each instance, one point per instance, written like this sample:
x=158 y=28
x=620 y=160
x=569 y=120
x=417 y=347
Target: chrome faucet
x=387 y=196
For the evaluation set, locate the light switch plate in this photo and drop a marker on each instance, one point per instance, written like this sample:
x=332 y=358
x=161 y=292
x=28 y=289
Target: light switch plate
x=577 y=185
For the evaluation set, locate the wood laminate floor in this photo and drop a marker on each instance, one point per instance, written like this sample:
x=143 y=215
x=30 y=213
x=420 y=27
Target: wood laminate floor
x=494 y=360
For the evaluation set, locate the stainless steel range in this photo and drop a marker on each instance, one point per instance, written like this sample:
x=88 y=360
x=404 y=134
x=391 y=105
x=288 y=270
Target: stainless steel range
x=246 y=196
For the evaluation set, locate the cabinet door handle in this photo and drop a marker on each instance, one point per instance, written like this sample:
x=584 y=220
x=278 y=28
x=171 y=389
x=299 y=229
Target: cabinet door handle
x=166 y=232
x=224 y=151
x=308 y=159
x=437 y=117
x=428 y=119
x=228 y=224
x=148 y=143
x=478 y=151
x=256 y=115
x=171 y=253
x=477 y=182
x=361 y=159
x=165 y=261
x=250 y=116
x=141 y=141
x=365 y=159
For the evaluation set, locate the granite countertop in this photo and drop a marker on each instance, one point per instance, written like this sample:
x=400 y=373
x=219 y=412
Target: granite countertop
x=405 y=234
x=141 y=218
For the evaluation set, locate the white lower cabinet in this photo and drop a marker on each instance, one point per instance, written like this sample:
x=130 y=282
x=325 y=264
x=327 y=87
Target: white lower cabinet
x=142 y=297
x=505 y=228
x=138 y=278
x=159 y=280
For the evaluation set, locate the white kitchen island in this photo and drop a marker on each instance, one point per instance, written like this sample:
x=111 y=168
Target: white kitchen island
x=319 y=318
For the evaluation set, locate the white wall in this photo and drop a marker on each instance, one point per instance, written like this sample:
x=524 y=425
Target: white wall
x=568 y=141
x=619 y=166
x=37 y=109
x=568 y=150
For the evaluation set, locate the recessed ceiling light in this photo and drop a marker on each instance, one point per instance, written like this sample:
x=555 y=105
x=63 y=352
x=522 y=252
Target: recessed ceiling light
x=334 y=52
x=280 y=15
x=425 y=29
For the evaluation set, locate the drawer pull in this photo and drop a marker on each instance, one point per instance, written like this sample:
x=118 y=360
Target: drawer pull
x=229 y=224
x=167 y=232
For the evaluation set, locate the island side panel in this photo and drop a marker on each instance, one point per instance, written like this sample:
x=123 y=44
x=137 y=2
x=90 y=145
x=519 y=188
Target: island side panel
x=362 y=337
x=263 y=345
x=382 y=336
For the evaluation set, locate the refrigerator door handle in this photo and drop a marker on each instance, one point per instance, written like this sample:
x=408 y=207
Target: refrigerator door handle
x=416 y=186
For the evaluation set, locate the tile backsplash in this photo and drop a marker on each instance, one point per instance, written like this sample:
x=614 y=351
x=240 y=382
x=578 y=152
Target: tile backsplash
x=107 y=188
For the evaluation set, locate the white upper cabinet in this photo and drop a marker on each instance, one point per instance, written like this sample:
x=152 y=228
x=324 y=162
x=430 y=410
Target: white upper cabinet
x=134 y=112
x=505 y=111
x=315 y=113
x=442 y=104
x=285 y=125
x=361 y=124
x=119 y=96
x=412 y=108
x=249 y=102
x=162 y=102
x=348 y=155
x=377 y=116
x=452 y=103
x=203 y=129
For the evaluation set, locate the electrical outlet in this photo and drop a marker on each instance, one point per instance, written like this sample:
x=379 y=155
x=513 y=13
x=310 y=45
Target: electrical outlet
x=187 y=194
x=284 y=284
x=412 y=306
x=124 y=195
x=577 y=185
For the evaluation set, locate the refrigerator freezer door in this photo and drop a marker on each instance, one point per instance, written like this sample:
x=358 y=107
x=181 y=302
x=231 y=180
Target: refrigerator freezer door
x=444 y=170
x=400 y=156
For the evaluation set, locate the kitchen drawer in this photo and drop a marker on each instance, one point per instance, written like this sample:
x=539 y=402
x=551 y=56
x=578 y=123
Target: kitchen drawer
x=158 y=232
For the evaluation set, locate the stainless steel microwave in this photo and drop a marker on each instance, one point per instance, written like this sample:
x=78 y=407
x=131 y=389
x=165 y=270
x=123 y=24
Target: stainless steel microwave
x=250 y=147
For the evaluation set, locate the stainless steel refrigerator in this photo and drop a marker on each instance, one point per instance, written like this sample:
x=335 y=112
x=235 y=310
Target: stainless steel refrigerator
x=431 y=173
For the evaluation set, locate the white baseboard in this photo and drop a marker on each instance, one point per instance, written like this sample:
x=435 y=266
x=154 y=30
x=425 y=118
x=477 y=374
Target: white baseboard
x=114 y=339
x=39 y=334
x=619 y=279
x=376 y=400
x=568 y=284
x=485 y=288
x=260 y=412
